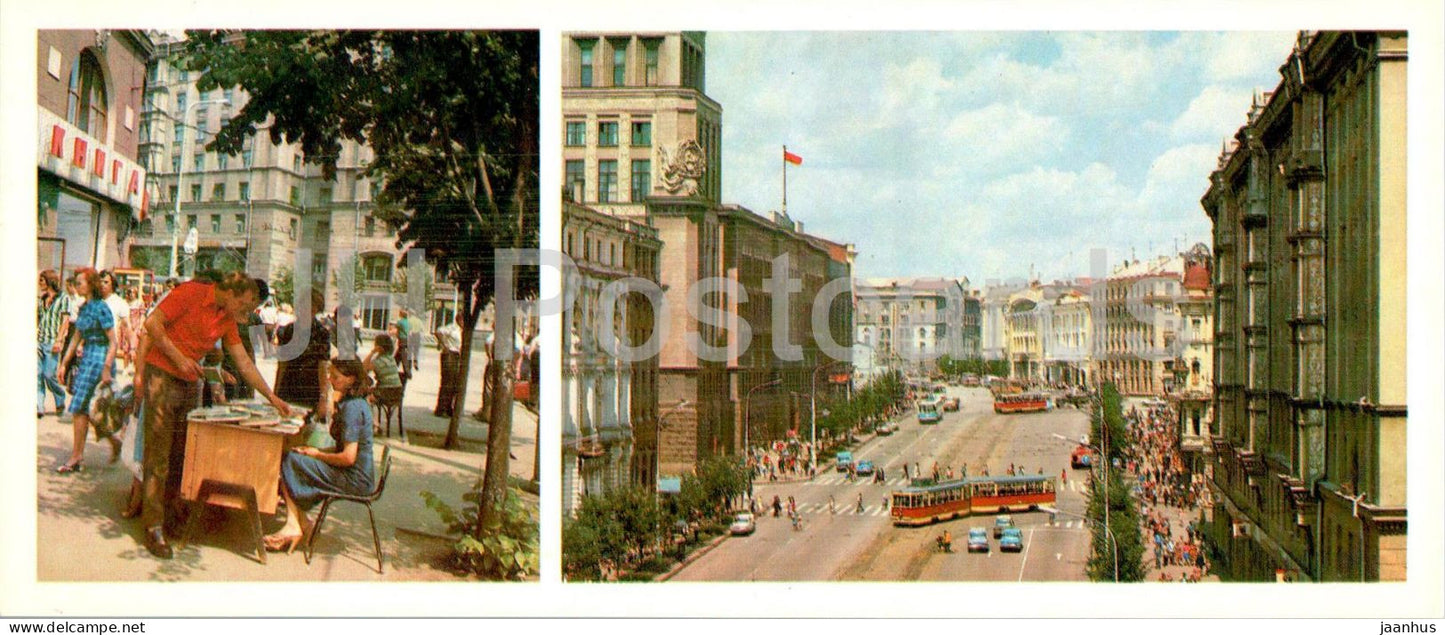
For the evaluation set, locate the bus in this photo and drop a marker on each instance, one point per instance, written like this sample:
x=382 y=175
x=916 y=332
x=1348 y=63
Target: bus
x=923 y=504
x=1020 y=402
x=928 y=412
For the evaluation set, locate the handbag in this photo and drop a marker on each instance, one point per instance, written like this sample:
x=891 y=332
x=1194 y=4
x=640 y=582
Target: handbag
x=522 y=390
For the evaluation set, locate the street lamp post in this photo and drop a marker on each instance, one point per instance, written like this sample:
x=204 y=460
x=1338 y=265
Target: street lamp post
x=813 y=416
x=180 y=176
x=1104 y=460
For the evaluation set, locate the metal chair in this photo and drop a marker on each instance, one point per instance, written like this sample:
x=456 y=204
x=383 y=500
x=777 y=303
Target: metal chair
x=388 y=401
x=328 y=497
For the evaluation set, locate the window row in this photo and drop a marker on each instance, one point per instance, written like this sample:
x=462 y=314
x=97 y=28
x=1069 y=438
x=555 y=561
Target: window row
x=607 y=181
x=607 y=133
x=615 y=53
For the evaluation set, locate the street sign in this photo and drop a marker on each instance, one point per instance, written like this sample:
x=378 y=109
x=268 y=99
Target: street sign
x=192 y=239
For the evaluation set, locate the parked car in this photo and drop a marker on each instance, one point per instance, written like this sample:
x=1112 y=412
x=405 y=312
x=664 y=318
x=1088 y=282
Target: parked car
x=951 y=404
x=978 y=540
x=844 y=460
x=864 y=468
x=1001 y=523
x=883 y=429
x=743 y=524
x=1012 y=540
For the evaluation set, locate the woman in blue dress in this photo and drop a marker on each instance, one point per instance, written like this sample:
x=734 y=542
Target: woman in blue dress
x=306 y=471
x=95 y=336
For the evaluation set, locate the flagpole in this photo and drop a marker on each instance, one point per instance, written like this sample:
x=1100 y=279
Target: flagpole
x=785 y=180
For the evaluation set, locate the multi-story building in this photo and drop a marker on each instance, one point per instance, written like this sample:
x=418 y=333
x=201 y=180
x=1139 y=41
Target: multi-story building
x=609 y=400
x=91 y=181
x=902 y=323
x=972 y=334
x=1068 y=340
x=751 y=247
x=635 y=113
x=1193 y=365
x=1140 y=321
x=993 y=319
x=642 y=140
x=259 y=209
x=1308 y=469
x=1025 y=330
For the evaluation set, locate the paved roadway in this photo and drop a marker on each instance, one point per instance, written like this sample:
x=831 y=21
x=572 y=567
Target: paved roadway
x=846 y=544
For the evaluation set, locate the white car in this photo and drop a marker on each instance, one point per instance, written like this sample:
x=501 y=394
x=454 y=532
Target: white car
x=743 y=524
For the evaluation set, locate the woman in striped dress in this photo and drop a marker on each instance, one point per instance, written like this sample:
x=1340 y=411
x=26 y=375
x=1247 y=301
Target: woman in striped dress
x=95 y=329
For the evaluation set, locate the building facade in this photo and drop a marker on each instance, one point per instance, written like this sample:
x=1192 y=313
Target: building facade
x=91 y=181
x=1308 y=470
x=1139 y=325
x=904 y=323
x=1193 y=366
x=642 y=140
x=1068 y=341
x=609 y=400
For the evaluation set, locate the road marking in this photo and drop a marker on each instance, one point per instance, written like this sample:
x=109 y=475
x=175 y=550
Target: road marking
x=1025 y=562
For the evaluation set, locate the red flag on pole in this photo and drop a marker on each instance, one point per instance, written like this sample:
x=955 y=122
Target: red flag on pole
x=792 y=158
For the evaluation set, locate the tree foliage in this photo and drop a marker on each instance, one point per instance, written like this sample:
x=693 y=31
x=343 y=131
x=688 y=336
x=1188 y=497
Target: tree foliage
x=451 y=118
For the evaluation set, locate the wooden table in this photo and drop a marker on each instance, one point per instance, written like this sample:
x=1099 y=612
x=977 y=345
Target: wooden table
x=230 y=465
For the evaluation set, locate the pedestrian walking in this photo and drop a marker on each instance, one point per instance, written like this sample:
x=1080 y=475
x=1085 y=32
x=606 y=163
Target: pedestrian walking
x=52 y=316
x=95 y=348
x=449 y=340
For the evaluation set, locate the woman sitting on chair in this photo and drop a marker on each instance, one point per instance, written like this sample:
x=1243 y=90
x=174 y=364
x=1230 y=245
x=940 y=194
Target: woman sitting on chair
x=381 y=362
x=307 y=472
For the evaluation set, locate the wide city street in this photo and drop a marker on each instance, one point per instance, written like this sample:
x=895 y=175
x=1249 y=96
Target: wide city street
x=838 y=542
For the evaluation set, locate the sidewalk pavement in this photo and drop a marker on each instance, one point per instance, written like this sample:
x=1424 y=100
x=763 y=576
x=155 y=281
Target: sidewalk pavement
x=83 y=538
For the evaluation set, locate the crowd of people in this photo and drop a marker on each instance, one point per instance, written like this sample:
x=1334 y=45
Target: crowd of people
x=1167 y=492
x=131 y=369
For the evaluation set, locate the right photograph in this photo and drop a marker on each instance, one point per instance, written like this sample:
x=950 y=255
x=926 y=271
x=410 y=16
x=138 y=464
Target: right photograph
x=984 y=306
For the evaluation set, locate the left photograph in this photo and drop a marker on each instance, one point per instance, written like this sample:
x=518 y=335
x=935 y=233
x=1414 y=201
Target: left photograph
x=280 y=335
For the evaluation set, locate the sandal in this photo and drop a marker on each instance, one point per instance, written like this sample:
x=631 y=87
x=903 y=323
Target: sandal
x=67 y=468
x=274 y=542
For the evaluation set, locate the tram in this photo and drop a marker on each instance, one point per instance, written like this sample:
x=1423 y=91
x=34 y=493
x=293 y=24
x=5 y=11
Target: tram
x=926 y=503
x=1020 y=402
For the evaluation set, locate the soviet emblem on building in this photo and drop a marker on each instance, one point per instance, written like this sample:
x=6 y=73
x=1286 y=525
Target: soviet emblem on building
x=681 y=171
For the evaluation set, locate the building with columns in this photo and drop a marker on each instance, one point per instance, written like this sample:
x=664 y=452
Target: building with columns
x=1308 y=203
x=91 y=181
x=1140 y=321
x=609 y=401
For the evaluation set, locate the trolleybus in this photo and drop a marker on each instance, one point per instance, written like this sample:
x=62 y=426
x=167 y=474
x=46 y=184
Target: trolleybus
x=925 y=503
x=929 y=411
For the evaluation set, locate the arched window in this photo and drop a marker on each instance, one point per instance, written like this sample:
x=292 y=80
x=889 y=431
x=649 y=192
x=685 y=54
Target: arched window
x=86 y=107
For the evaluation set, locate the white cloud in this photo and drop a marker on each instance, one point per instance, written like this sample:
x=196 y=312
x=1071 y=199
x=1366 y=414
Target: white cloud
x=1217 y=112
x=1003 y=135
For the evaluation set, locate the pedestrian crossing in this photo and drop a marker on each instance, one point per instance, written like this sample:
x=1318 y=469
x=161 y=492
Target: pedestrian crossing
x=831 y=480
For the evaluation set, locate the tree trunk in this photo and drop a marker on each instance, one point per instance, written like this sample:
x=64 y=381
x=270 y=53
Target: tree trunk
x=499 y=436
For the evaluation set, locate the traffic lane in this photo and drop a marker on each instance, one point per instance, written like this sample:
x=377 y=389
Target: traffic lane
x=1051 y=553
x=776 y=551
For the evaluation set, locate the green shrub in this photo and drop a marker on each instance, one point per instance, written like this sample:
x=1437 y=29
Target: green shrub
x=508 y=548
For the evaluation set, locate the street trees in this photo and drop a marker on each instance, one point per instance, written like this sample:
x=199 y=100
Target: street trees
x=451 y=118
x=1117 y=532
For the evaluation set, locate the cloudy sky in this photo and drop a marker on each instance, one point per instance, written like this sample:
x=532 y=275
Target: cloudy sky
x=982 y=154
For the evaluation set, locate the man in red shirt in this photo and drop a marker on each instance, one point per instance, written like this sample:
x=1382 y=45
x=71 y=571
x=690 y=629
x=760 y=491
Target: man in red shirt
x=182 y=329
